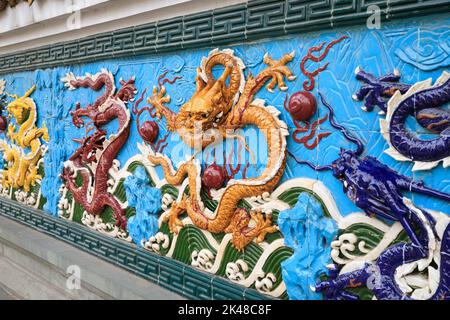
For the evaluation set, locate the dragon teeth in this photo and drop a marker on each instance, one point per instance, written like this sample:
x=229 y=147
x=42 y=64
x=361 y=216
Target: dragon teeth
x=219 y=116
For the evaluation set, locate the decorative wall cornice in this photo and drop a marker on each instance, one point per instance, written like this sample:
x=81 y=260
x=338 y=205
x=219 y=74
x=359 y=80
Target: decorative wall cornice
x=243 y=22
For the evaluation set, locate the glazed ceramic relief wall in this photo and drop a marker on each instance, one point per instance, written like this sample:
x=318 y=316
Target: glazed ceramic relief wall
x=307 y=167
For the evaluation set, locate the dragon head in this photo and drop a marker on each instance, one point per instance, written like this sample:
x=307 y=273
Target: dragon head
x=347 y=169
x=19 y=108
x=128 y=90
x=347 y=161
x=87 y=152
x=204 y=112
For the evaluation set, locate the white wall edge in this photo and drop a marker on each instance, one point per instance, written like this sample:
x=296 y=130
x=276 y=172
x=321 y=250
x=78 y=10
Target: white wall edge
x=53 y=21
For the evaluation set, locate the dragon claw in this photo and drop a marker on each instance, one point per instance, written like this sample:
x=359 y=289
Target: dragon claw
x=332 y=290
x=121 y=221
x=278 y=71
x=158 y=100
x=263 y=225
x=175 y=224
x=172 y=218
x=243 y=234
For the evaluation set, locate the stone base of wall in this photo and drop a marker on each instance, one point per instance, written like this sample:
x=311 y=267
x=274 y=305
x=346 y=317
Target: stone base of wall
x=34 y=266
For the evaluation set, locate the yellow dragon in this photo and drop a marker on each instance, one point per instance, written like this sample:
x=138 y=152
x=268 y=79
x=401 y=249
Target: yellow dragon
x=22 y=170
x=214 y=112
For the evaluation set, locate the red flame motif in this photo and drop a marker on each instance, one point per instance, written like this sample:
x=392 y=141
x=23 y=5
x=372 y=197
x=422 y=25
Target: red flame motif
x=149 y=130
x=215 y=176
x=302 y=106
x=309 y=85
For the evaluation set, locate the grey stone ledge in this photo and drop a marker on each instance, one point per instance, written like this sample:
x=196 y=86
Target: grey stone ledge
x=34 y=266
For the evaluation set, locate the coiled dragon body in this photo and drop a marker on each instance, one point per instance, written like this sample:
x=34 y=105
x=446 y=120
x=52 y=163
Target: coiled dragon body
x=378 y=190
x=94 y=158
x=22 y=171
x=214 y=112
x=423 y=101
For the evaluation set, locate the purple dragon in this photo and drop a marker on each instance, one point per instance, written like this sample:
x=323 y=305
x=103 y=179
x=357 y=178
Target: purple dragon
x=424 y=105
x=377 y=189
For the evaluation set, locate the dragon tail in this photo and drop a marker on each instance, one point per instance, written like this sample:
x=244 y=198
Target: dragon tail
x=104 y=78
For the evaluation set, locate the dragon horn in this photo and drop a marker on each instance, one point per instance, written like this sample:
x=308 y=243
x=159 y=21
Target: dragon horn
x=225 y=73
x=29 y=92
x=221 y=82
x=200 y=84
x=416 y=187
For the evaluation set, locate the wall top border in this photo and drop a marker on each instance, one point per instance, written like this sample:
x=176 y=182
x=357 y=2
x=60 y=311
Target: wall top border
x=255 y=19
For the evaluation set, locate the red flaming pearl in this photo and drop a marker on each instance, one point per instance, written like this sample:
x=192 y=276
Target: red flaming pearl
x=302 y=106
x=149 y=131
x=213 y=177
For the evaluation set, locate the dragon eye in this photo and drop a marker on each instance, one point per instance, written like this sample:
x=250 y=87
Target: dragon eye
x=205 y=115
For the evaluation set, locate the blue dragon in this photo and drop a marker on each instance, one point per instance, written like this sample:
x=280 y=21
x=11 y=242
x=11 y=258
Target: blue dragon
x=377 y=189
x=424 y=105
